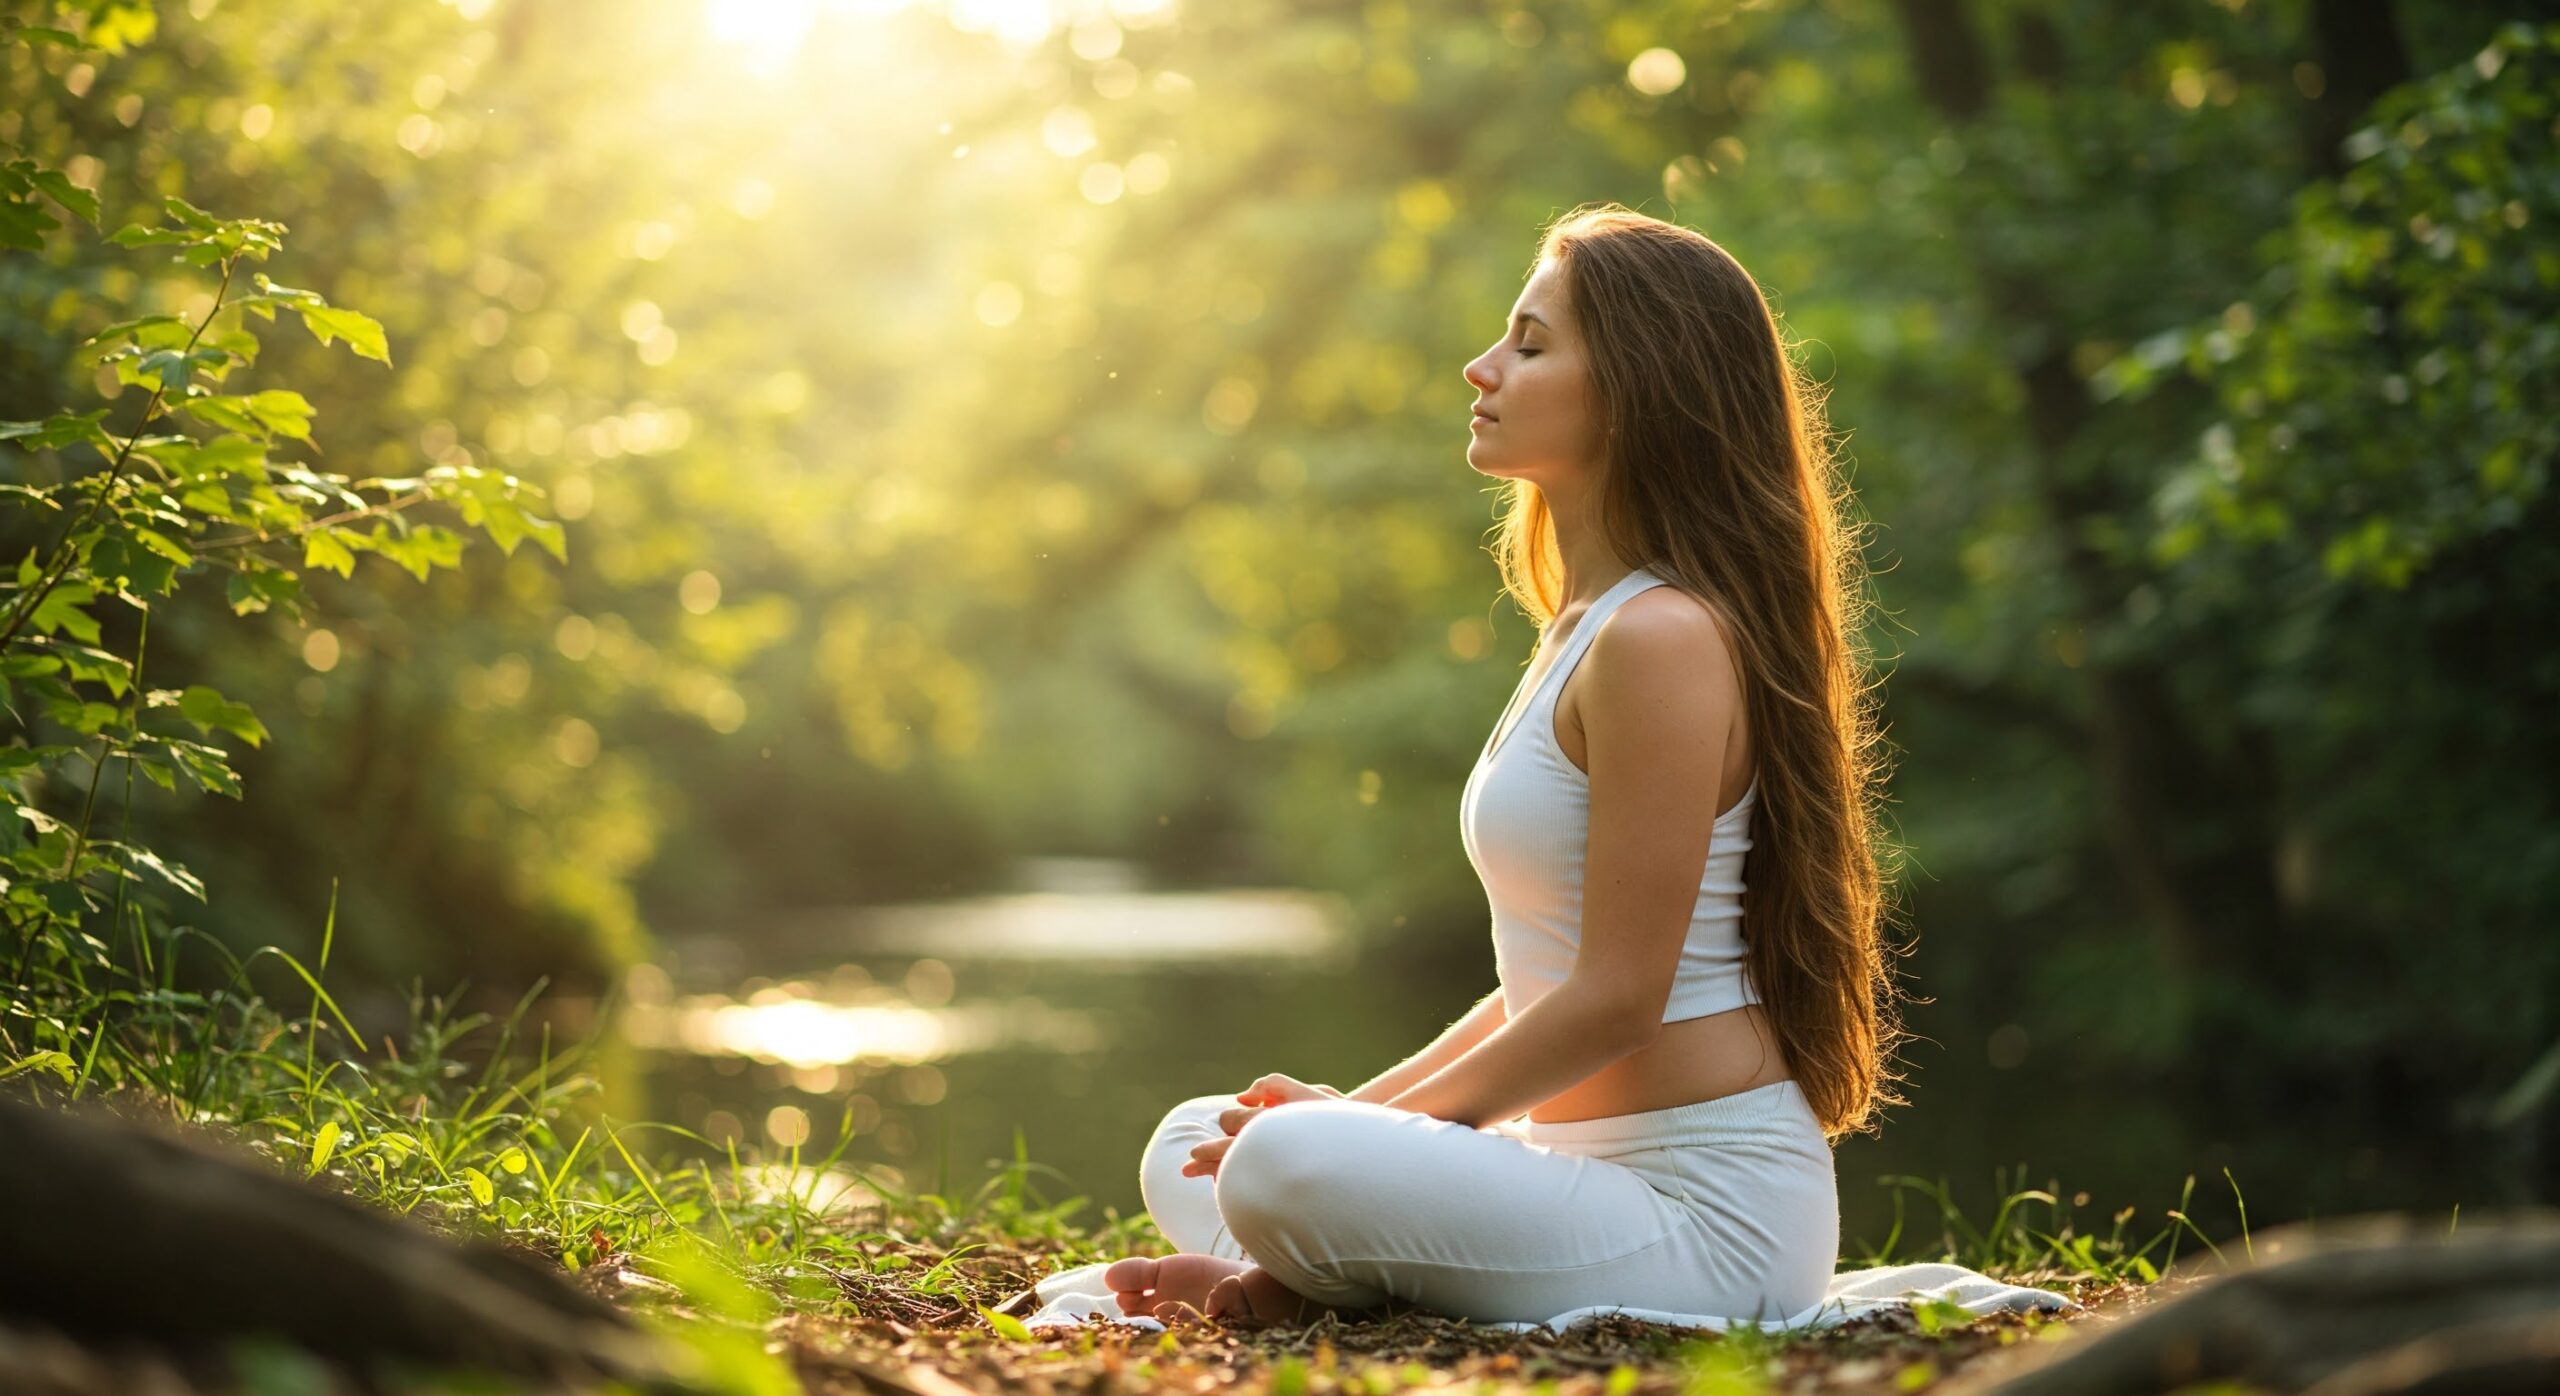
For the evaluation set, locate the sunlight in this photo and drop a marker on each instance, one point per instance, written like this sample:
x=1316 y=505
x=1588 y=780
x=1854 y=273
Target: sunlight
x=766 y=32
x=1023 y=22
x=819 y=1189
x=790 y=1027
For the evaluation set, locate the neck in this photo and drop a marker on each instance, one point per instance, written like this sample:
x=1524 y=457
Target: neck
x=1591 y=565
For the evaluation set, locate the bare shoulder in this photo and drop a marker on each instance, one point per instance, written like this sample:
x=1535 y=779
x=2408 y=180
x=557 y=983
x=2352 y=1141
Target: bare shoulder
x=1659 y=682
x=1664 y=640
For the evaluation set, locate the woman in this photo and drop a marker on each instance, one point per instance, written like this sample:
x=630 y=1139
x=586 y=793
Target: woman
x=1699 y=693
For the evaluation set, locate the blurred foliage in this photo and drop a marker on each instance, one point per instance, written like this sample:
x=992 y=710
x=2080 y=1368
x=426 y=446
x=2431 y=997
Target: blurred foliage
x=983 y=436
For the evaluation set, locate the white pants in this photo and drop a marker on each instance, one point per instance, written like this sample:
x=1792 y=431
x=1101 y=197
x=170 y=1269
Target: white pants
x=1726 y=1207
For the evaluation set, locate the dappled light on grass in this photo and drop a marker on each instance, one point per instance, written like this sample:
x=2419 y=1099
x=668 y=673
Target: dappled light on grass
x=821 y=1190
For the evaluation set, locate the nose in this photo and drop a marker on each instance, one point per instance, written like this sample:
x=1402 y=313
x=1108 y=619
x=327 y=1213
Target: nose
x=1479 y=374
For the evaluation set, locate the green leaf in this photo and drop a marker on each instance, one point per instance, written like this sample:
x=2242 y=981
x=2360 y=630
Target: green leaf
x=92 y=665
x=14 y=759
x=512 y=1160
x=210 y=711
x=223 y=411
x=129 y=569
x=1932 y=1315
x=282 y=411
x=168 y=872
x=258 y=585
x=176 y=368
x=423 y=547
x=362 y=333
x=45 y=823
x=59 y=1063
x=136 y=235
x=165 y=546
x=60 y=430
x=323 y=1145
x=35 y=496
x=187 y=215
x=548 y=533
x=206 y=767
x=231 y=455
x=323 y=547
x=61 y=190
x=62 y=610
x=483 y=1191
x=131 y=329
x=22 y=225
x=1006 y=1325
x=494 y=502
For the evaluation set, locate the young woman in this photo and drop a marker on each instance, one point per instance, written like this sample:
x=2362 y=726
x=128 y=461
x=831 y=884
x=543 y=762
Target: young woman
x=1699 y=693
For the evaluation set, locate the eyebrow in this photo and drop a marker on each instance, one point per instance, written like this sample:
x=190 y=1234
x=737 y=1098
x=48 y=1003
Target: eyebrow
x=1525 y=315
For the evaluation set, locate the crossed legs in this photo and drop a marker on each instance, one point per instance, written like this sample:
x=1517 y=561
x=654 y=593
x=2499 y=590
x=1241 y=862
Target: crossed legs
x=1347 y=1204
x=1212 y=1275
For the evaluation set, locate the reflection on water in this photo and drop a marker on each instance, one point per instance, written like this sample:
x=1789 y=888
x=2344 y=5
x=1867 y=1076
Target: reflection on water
x=1091 y=920
x=795 y=1025
x=1077 y=1008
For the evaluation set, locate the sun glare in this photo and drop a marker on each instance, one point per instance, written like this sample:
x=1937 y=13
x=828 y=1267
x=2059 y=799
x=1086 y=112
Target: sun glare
x=1014 y=21
x=766 y=32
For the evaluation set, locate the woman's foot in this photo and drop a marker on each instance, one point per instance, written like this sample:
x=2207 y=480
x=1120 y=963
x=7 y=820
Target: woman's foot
x=1145 y=1284
x=1206 y=1286
x=1255 y=1298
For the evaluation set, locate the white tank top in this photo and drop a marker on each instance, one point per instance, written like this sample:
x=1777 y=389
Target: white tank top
x=1526 y=820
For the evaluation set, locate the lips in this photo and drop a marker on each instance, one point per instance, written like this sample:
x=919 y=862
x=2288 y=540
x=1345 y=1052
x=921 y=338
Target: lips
x=1484 y=416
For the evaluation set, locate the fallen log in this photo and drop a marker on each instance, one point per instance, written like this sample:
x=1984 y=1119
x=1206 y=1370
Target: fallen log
x=116 y=1231
x=2356 y=1306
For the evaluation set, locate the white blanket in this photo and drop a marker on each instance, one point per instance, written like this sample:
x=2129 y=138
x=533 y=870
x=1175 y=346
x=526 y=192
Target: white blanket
x=1078 y=1295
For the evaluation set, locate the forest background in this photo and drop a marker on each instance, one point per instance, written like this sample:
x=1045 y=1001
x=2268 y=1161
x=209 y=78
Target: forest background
x=998 y=431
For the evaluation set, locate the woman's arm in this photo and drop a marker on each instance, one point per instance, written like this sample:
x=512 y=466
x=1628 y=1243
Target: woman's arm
x=1569 y=1034
x=1453 y=1043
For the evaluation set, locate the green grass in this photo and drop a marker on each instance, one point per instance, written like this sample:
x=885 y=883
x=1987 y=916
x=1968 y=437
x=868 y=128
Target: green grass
x=465 y=1124
x=468 y=1126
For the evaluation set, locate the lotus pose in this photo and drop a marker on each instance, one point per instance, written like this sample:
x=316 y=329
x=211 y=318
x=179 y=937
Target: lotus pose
x=1641 y=1113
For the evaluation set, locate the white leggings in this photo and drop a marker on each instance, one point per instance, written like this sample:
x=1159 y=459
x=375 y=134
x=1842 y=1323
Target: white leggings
x=1726 y=1207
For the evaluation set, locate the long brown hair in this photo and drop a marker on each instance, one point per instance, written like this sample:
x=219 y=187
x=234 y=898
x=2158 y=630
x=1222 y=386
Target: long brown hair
x=1721 y=477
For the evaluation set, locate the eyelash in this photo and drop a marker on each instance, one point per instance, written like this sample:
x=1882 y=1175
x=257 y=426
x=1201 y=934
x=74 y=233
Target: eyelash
x=1526 y=351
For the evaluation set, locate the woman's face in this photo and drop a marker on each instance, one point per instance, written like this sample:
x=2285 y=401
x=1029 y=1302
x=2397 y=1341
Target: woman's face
x=1537 y=390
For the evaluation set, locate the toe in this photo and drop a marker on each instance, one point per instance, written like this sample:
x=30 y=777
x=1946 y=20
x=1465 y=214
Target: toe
x=1135 y=1274
x=1227 y=1301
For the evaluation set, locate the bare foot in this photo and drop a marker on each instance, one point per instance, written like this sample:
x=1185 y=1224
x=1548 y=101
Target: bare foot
x=1255 y=1298
x=1145 y=1284
x=1190 y=1286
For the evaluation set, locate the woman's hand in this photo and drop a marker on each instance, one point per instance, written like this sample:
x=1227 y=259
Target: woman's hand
x=1275 y=1089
